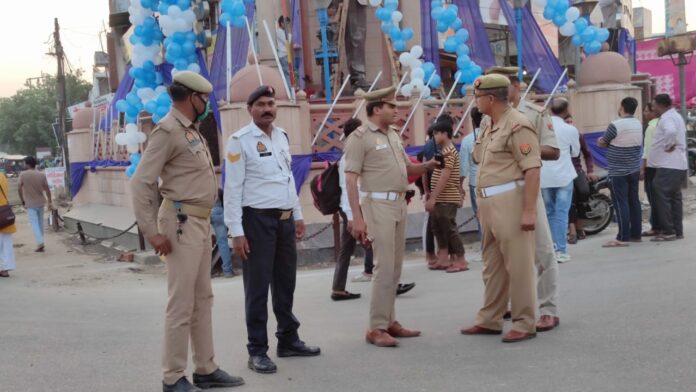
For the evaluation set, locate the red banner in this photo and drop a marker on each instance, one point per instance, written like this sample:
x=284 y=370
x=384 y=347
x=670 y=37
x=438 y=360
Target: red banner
x=665 y=72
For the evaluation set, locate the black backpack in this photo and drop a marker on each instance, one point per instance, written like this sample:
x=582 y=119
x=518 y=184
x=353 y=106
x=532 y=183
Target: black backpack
x=326 y=190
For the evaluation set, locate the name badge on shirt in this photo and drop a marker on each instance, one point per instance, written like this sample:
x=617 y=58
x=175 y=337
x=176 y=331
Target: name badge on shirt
x=381 y=146
x=265 y=154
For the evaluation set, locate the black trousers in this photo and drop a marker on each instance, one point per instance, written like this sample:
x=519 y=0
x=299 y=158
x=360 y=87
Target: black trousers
x=649 y=177
x=272 y=263
x=668 y=200
x=347 y=249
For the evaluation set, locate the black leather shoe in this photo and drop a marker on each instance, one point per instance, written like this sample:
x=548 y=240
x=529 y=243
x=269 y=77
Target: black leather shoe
x=297 y=349
x=183 y=385
x=217 y=379
x=262 y=364
x=404 y=288
x=344 y=296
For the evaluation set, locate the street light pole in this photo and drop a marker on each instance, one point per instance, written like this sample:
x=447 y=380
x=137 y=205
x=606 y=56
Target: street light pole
x=682 y=83
x=518 y=19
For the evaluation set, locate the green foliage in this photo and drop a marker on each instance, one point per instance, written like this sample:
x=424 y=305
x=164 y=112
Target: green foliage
x=26 y=117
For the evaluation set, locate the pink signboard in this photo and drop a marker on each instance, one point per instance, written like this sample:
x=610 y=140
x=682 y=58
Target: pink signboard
x=665 y=73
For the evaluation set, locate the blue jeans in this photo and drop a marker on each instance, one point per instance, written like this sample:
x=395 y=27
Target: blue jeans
x=557 y=202
x=624 y=192
x=217 y=218
x=286 y=69
x=36 y=220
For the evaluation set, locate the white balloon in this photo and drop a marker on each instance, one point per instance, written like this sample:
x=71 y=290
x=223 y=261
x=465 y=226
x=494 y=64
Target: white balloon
x=133 y=148
x=425 y=92
x=141 y=137
x=417 y=51
x=405 y=59
x=572 y=14
x=567 y=29
x=121 y=139
x=406 y=90
x=375 y=3
x=418 y=84
x=417 y=73
x=541 y=3
x=397 y=16
x=160 y=90
x=416 y=64
x=131 y=128
x=193 y=67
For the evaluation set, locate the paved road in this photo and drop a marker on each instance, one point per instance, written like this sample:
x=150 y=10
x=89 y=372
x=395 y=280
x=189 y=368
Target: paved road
x=70 y=323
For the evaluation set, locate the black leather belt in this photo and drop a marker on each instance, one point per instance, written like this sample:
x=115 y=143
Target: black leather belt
x=272 y=212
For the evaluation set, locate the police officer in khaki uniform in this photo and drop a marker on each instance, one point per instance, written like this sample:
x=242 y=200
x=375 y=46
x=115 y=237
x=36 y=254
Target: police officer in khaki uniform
x=374 y=153
x=507 y=187
x=545 y=258
x=180 y=233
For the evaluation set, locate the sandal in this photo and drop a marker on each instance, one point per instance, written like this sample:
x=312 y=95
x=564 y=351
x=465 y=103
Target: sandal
x=572 y=239
x=650 y=233
x=454 y=269
x=615 y=244
x=437 y=267
x=582 y=235
x=664 y=238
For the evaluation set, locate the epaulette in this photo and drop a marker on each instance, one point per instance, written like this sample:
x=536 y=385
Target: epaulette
x=359 y=131
x=241 y=133
x=533 y=107
x=519 y=120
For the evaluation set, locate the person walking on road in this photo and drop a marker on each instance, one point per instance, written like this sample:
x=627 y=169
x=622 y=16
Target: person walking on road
x=179 y=157
x=375 y=155
x=7 y=255
x=34 y=192
x=264 y=215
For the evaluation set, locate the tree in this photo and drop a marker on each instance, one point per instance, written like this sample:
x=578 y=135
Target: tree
x=26 y=118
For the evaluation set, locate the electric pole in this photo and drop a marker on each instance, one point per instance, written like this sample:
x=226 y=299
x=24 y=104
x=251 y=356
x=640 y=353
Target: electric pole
x=61 y=104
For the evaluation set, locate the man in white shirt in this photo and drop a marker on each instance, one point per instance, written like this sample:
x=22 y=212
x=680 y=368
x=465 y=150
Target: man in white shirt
x=557 y=178
x=668 y=157
x=263 y=213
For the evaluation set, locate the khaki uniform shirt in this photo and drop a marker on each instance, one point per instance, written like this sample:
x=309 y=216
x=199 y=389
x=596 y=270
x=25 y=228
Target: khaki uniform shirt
x=178 y=155
x=542 y=123
x=378 y=157
x=506 y=150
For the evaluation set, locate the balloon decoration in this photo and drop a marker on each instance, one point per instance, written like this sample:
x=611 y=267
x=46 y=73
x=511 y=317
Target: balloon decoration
x=570 y=24
x=448 y=18
x=391 y=17
x=132 y=139
x=233 y=12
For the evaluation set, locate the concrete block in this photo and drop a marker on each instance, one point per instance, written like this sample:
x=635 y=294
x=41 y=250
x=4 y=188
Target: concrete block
x=147 y=258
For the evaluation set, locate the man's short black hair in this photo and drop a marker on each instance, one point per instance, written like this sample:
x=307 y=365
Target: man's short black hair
x=559 y=106
x=663 y=100
x=350 y=126
x=446 y=119
x=629 y=105
x=30 y=161
x=442 y=127
x=179 y=92
x=371 y=106
x=476 y=117
x=283 y=18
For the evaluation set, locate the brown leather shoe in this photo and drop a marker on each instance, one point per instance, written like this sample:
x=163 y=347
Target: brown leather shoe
x=547 y=323
x=517 y=336
x=478 y=330
x=381 y=338
x=397 y=331
x=4 y=274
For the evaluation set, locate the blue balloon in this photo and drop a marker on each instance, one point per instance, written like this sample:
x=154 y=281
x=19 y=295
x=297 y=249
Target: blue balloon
x=593 y=47
x=386 y=27
x=162 y=111
x=463 y=91
x=463 y=62
x=428 y=68
x=151 y=106
x=589 y=34
x=175 y=50
x=577 y=40
x=559 y=20
x=239 y=22
x=457 y=24
x=549 y=12
x=449 y=16
x=132 y=111
x=226 y=5
x=435 y=82
x=249 y=1
x=130 y=171
x=121 y=105
x=163 y=8
x=400 y=46
x=552 y=3
x=462 y=35
x=451 y=44
x=437 y=13
x=134 y=39
x=602 y=34
x=407 y=33
x=132 y=99
x=391 y=5
x=436 y=3
x=225 y=18
x=581 y=24
x=395 y=33
x=563 y=5
x=463 y=49
x=383 y=14
x=476 y=71
x=238 y=9
x=146 y=3
x=458 y=77
x=442 y=26
x=164 y=100
x=156 y=119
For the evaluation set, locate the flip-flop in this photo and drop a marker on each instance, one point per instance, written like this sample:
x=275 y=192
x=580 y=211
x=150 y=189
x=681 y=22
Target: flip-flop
x=572 y=239
x=451 y=270
x=664 y=238
x=437 y=267
x=615 y=244
x=650 y=233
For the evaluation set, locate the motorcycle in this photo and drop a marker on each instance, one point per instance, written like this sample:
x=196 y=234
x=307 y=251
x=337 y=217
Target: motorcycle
x=691 y=148
x=598 y=211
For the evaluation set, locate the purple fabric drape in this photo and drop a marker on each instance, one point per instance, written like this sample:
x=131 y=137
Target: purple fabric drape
x=470 y=14
x=429 y=36
x=297 y=41
x=627 y=45
x=240 y=48
x=536 y=52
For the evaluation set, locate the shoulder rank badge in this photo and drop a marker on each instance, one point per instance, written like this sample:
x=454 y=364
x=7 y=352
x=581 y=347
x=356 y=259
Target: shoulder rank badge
x=525 y=149
x=233 y=157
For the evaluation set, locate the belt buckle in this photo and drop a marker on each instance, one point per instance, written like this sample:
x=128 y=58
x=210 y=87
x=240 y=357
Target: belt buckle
x=285 y=215
x=481 y=193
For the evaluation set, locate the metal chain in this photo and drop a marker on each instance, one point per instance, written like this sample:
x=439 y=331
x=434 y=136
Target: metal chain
x=466 y=222
x=323 y=229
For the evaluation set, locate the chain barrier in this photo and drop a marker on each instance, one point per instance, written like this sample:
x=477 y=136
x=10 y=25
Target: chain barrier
x=323 y=229
x=466 y=222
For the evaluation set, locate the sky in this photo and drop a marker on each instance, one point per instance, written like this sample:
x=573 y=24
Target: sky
x=24 y=42
x=24 y=33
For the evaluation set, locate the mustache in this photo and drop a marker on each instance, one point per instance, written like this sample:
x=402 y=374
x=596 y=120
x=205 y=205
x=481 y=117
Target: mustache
x=267 y=114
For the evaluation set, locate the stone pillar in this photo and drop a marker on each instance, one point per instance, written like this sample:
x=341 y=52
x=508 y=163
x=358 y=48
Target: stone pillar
x=265 y=10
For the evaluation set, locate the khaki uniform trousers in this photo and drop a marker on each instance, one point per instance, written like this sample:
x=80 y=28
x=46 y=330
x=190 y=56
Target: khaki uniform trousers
x=508 y=270
x=546 y=264
x=386 y=225
x=190 y=297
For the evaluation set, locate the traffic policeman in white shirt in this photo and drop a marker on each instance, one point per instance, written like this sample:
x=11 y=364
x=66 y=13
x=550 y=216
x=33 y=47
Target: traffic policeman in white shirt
x=263 y=213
